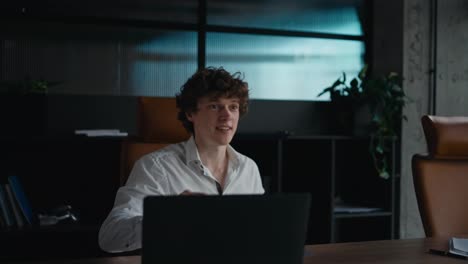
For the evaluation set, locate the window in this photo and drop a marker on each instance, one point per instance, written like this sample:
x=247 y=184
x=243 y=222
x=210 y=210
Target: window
x=288 y=50
x=284 y=68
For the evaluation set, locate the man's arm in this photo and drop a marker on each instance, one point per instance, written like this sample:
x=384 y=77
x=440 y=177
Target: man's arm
x=257 y=179
x=121 y=231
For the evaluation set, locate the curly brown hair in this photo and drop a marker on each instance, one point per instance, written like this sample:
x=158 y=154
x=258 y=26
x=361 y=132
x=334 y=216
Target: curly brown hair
x=214 y=83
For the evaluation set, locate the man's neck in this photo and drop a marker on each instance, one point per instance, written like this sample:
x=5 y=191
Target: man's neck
x=215 y=159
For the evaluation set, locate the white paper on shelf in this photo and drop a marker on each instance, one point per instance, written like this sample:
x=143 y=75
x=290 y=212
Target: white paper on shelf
x=101 y=133
x=354 y=209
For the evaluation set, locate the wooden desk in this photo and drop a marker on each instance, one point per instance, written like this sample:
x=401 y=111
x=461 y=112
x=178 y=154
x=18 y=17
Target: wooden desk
x=386 y=251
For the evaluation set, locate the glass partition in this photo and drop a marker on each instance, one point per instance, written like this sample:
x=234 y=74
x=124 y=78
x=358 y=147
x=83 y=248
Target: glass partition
x=286 y=68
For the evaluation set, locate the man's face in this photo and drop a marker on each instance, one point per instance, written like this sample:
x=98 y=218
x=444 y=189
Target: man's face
x=215 y=122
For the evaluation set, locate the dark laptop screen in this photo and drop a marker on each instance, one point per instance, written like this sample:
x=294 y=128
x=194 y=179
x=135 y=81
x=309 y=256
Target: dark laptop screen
x=225 y=229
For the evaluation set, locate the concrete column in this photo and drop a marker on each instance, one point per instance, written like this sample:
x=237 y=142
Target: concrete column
x=433 y=29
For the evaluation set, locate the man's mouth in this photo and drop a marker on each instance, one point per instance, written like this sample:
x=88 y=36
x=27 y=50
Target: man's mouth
x=224 y=128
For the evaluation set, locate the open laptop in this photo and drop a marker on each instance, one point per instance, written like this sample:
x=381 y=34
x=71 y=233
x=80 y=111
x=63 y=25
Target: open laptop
x=246 y=229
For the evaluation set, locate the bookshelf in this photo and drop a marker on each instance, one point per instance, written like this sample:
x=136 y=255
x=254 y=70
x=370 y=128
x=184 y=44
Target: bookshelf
x=15 y=210
x=350 y=202
x=75 y=170
x=54 y=242
x=84 y=172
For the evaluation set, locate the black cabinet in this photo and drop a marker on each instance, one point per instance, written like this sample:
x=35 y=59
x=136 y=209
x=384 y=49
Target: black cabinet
x=364 y=204
x=337 y=172
x=350 y=202
x=55 y=242
x=267 y=151
x=78 y=171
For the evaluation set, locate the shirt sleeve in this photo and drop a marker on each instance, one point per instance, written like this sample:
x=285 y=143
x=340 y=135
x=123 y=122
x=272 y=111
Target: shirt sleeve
x=258 y=186
x=121 y=230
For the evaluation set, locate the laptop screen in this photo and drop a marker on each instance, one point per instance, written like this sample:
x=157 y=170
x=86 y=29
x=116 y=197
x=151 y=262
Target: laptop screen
x=225 y=229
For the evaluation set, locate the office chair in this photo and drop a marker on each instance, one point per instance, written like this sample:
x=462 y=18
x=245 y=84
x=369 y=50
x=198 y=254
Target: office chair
x=158 y=127
x=157 y=120
x=441 y=176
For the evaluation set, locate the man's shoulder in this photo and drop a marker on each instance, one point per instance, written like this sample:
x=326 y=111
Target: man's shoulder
x=243 y=159
x=175 y=150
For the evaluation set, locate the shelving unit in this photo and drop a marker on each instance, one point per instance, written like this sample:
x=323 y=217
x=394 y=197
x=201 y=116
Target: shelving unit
x=78 y=171
x=63 y=241
x=335 y=170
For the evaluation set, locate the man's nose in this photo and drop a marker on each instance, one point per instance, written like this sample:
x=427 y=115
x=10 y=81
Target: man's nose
x=224 y=110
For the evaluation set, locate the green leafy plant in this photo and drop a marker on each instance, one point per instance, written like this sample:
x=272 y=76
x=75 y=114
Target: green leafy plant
x=385 y=98
x=26 y=86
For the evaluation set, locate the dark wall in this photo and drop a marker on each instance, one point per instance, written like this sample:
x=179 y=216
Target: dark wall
x=387 y=36
x=69 y=112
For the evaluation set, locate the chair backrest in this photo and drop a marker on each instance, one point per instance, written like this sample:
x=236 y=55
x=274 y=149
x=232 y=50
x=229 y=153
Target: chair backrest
x=157 y=120
x=131 y=151
x=158 y=127
x=441 y=176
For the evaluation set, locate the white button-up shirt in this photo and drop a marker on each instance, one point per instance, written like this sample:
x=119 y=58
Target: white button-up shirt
x=170 y=171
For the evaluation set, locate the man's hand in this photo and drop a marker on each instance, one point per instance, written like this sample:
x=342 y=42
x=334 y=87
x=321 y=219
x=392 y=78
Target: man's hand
x=187 y=192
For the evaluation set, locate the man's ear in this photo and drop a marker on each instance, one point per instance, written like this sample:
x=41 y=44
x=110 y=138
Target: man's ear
x=189 y=116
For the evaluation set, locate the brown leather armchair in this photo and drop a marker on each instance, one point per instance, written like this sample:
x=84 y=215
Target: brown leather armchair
x=158 y=127
x=441 y=176
x=157 y=120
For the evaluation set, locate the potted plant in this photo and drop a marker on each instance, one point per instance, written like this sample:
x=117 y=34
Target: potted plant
x=23 y=107
x=384 y=98
x=26 y=87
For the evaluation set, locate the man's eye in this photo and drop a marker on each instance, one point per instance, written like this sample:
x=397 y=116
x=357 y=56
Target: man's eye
x=234 y=107
x=213 y=107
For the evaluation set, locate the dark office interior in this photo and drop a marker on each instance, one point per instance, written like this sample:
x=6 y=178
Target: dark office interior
x=98 y=57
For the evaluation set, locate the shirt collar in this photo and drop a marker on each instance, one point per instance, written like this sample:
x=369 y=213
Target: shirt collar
x=233 y=158
x=191 y=151
x=192 y=155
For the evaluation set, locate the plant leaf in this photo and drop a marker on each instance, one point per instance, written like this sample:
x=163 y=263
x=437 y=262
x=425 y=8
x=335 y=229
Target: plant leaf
x=384 y=174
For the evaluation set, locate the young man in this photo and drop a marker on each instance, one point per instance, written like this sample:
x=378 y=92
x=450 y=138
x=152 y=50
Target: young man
x=211 y=103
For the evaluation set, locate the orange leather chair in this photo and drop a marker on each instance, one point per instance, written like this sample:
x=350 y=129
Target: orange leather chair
x=441 y=176
x=157 y=120
x=158 y=127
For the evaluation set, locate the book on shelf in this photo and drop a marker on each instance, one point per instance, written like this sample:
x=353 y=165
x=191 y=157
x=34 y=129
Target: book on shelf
x=6 y=212
x=22 y=200
x=354 y=209
x=14 y=206
x=2 y=221
x=458 y=246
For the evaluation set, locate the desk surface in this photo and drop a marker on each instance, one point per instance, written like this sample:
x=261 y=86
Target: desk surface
x=388 y=251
